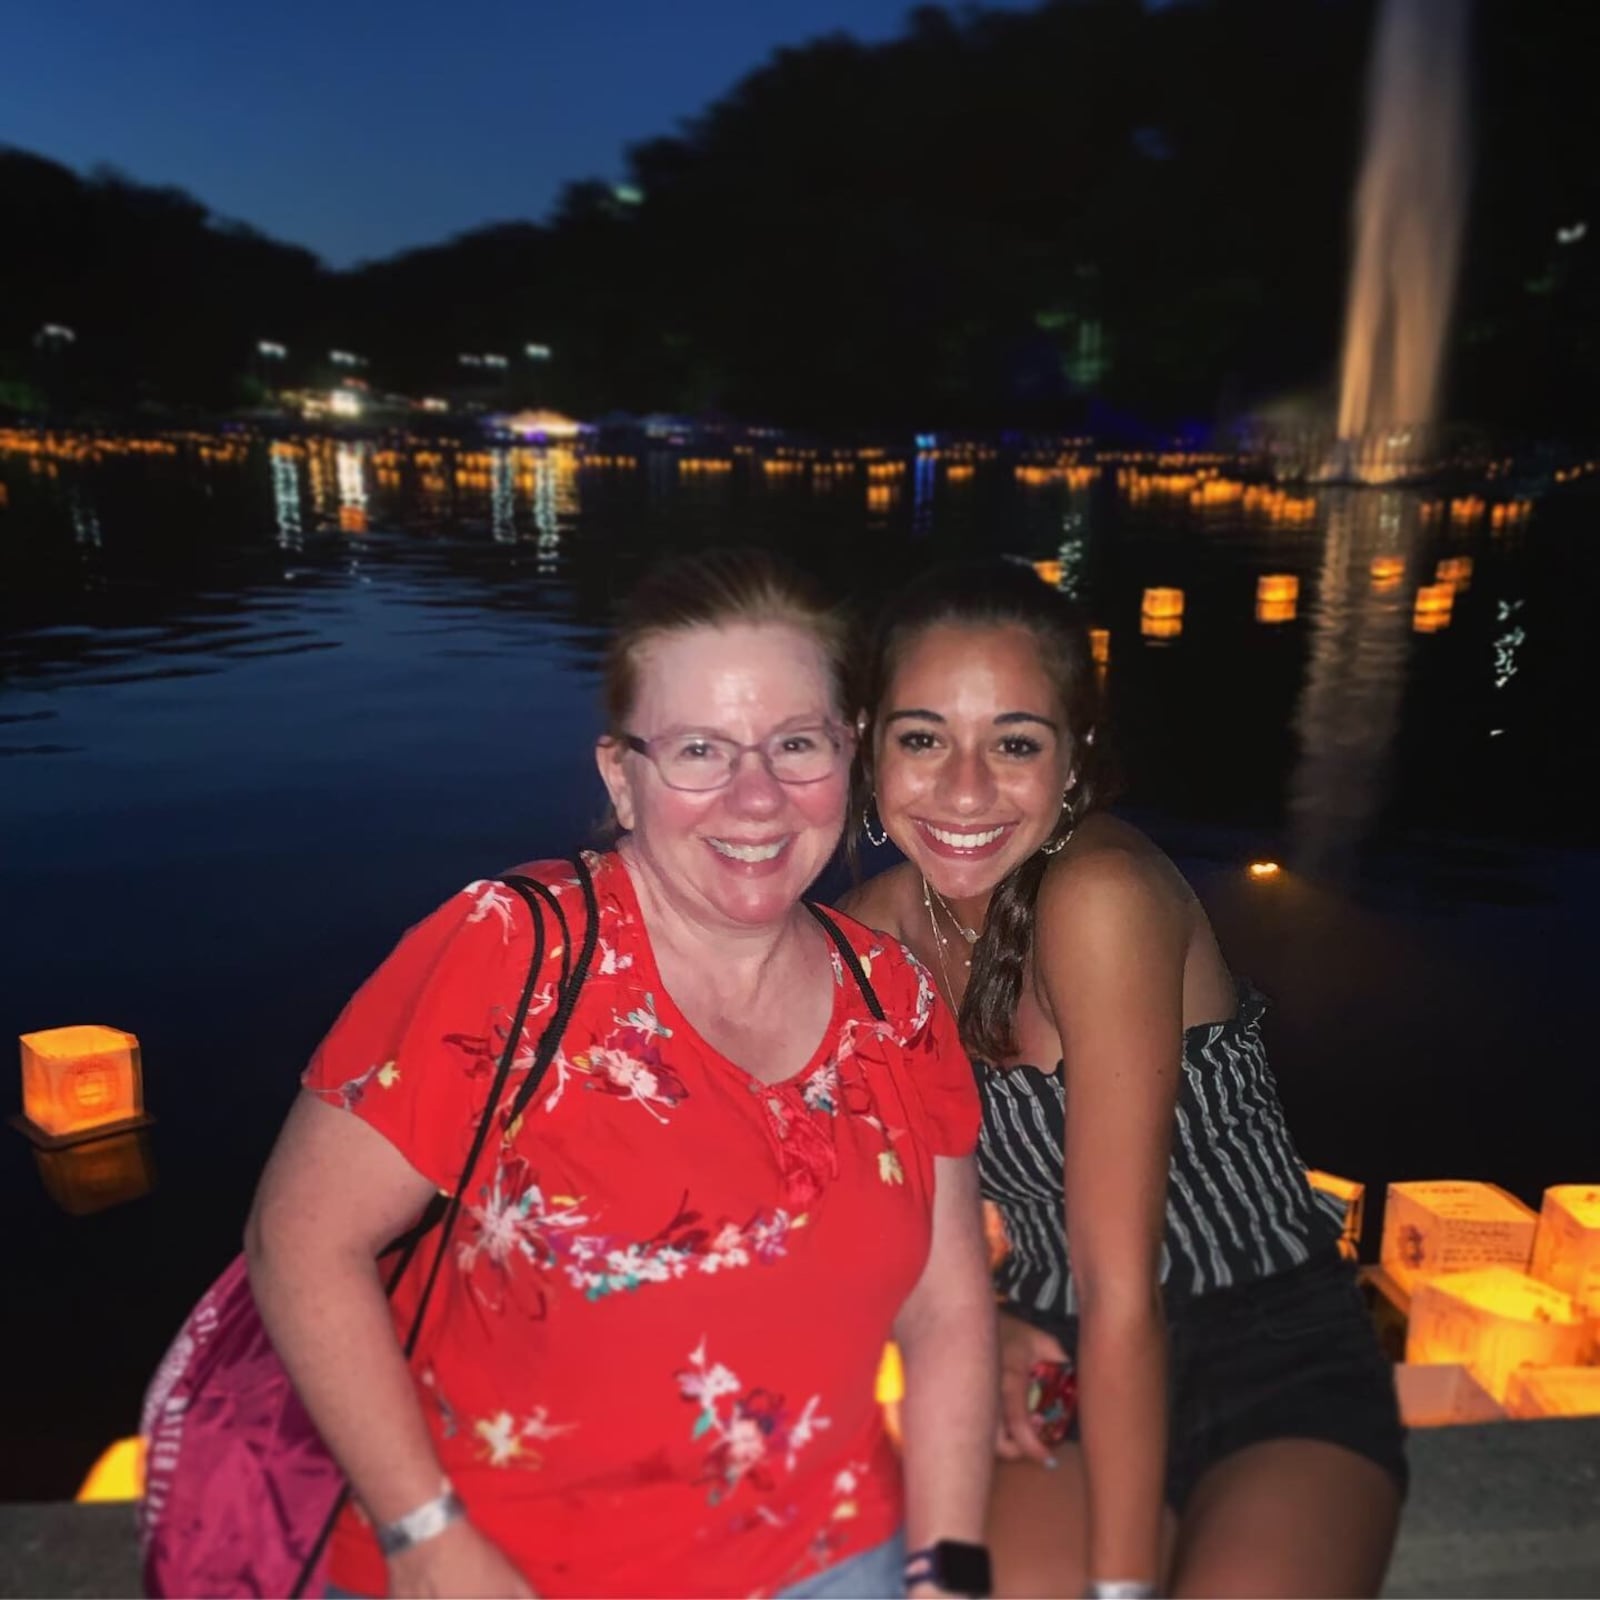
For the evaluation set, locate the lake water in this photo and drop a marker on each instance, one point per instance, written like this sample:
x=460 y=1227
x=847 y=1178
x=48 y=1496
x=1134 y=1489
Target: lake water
x=262 y=707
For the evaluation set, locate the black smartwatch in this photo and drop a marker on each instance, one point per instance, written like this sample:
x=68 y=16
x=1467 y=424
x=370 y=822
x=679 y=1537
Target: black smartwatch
x=952 y=1566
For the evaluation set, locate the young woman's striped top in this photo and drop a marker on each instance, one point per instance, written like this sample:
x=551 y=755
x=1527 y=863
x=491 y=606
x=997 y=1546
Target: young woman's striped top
x=1238 y=1203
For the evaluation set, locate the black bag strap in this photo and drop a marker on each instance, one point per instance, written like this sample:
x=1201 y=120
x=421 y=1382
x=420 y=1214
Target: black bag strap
x=444 y=1210
x=851 y=959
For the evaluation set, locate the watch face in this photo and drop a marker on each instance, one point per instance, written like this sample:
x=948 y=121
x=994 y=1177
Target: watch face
x=962 y=1568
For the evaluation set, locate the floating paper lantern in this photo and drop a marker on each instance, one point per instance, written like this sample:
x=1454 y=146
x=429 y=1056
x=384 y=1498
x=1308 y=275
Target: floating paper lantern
x=1100 y=646
x=1566 y=1244
x=118 y=1474
x=1449 y=1225
x=1388 y=572
x=1049 y=572
x=1352 y=1198
x=79 y=1083
x=1434 y=604
x=1442 y=1395
x=1553 y=1392
x=1454 y=570
x=1277 y=597
x=1161 y=613
x=1493 y=1320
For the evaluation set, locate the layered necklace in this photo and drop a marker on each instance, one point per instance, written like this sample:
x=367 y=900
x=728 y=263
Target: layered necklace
x=941 y=939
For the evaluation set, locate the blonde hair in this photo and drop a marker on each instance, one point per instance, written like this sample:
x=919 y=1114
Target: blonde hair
x=716 y=589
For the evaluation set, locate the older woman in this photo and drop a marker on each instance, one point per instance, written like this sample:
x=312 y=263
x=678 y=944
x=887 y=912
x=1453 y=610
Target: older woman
x=648 y=1365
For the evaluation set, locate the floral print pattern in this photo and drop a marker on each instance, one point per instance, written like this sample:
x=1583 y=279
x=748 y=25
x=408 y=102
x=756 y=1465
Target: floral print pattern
x=752 y=1431
x=653 y=1198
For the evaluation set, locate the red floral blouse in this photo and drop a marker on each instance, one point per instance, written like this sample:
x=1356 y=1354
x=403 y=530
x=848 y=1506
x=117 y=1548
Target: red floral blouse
x=649 y=1364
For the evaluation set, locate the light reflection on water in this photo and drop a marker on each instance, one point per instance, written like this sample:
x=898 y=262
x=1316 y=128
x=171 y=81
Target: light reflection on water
x=260 y=712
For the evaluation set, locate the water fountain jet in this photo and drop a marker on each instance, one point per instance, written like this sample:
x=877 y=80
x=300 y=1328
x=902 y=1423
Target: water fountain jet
x=1410 y=203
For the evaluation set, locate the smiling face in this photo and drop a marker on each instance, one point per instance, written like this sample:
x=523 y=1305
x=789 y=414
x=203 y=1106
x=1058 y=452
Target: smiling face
x=741 y=855
x=971 y=755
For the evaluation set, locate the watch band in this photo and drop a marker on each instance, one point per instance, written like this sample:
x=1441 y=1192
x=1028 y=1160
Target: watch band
x=423 y=1522
x=953 y=1566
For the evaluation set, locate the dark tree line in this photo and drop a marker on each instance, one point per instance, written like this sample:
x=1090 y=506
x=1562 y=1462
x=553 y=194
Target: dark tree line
x=1088 y=212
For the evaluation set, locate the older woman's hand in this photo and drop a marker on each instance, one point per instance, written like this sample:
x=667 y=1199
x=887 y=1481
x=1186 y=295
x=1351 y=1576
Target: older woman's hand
x=1022 y=1348
x=458 y=1562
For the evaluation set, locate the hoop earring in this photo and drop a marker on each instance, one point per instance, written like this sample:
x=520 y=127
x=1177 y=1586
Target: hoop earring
x=1055 y=846
x=881 y=837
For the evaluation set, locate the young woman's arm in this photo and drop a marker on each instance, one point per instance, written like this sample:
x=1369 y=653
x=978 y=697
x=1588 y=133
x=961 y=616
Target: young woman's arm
x=1109 y=952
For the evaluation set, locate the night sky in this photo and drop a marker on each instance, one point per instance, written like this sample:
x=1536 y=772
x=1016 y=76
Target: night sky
x=358 y=128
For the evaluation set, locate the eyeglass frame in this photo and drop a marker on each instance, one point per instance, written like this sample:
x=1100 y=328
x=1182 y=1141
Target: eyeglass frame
x=845 y=736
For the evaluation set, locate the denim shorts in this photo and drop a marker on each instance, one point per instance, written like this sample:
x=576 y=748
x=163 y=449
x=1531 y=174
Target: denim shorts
x=1292 y=1356
x=875 y=1574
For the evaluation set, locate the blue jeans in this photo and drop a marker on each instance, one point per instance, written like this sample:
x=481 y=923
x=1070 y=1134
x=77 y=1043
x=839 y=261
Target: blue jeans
x=875 y=1574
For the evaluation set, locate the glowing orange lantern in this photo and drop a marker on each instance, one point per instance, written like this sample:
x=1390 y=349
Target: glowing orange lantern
x=118 y=1474
x=80 y=1083
x=1277 y=597
x=1352 y=1198
x=1493 y=1320
x=1161 y=613
x=1434 y=603
x=1566 y=1246
x=1049 y=572
x=1100 y=646
x=1387 y=573
x=1554 y=1392
x=1455 y=570
x=1447 y=1225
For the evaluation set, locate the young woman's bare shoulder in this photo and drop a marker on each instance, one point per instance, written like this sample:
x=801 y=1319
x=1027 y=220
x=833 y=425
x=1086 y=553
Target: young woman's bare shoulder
x=881 y=901
x=1111 y=868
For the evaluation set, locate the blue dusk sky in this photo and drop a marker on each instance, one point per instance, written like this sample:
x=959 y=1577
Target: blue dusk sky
x=359 y=129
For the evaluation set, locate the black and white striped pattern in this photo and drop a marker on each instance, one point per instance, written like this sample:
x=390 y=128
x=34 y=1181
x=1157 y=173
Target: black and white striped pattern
x=1238 y=1203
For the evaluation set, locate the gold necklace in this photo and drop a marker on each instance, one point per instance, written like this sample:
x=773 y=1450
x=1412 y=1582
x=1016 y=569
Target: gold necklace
x=969 y=934
x=941 y=939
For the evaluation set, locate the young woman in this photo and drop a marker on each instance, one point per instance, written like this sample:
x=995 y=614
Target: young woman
x=1236 y=1429
x=648 y=1369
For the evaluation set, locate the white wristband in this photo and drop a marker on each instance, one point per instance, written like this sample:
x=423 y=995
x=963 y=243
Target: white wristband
x=1121 y=1589
x=424 y=1522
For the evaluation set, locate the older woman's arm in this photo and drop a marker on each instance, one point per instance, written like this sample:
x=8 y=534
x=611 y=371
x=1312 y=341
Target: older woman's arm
x=946 y=1334
x=333 y=1194
x=1109 y=951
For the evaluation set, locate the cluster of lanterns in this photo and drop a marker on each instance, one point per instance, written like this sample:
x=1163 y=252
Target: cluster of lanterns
x=1074 y=474
x=1506 y=1299
x=703 y=466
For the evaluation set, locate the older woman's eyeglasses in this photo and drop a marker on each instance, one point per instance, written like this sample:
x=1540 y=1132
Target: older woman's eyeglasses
x=701 y=761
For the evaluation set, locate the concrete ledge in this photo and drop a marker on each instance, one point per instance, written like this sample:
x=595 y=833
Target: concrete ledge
x=1509 y=1508
x=1512 y=1508
x=66 y=1549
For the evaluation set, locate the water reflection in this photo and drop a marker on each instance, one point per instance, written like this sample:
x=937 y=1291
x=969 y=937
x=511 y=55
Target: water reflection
x=286 y=492
x=85 y=1178
x=1198 y=555
x=1349 y=708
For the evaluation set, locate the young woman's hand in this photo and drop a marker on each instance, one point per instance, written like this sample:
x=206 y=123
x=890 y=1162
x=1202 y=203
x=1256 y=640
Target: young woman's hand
x=1022 y=1348
x=458 y=1562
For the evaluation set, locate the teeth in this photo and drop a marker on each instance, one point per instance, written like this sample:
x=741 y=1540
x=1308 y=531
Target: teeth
x=746 y=852
x=965 y=841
